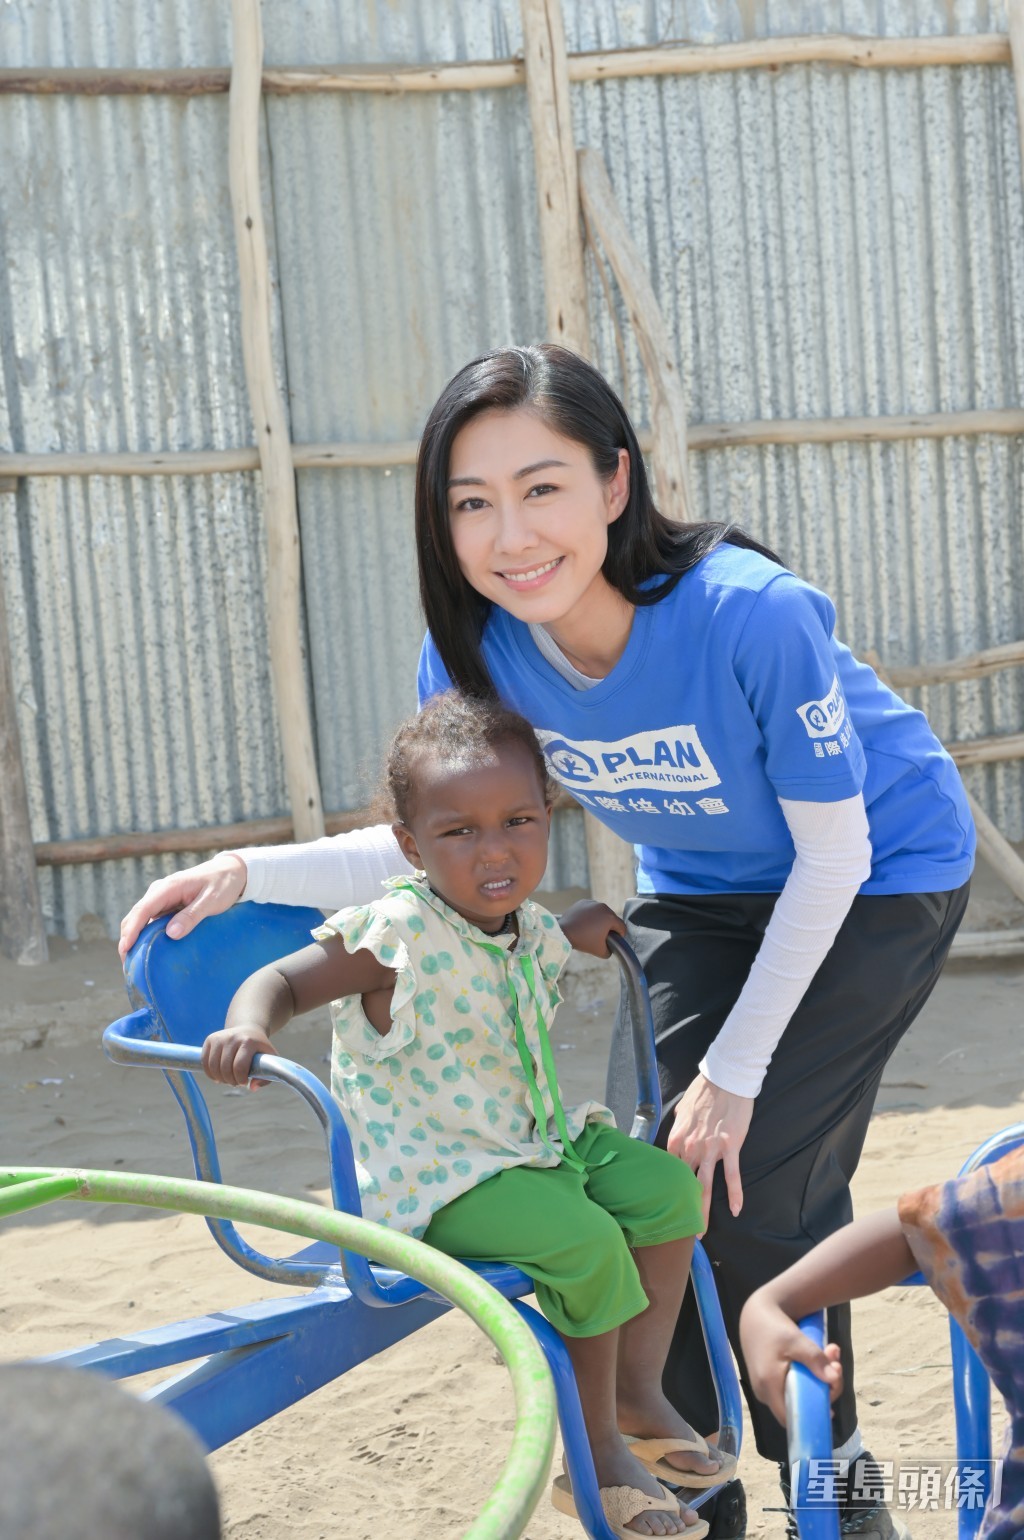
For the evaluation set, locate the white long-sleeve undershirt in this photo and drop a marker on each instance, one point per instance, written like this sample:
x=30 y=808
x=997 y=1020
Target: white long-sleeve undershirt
x=330 y=874
x=833 y=858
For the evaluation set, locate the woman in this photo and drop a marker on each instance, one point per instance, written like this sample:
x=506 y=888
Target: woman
x=803 y=842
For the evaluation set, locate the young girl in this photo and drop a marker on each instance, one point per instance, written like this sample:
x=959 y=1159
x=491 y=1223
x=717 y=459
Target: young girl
x=443 y=993
x=967 y=1237
x=803 y=842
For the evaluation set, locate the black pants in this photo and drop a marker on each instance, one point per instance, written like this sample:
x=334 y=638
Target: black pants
x=811 y=1117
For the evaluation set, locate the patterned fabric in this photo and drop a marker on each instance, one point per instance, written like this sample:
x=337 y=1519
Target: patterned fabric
x=463 y=1085
x=967 y=1236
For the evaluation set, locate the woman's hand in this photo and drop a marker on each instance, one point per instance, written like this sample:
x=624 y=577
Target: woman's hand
x=771 y=1342
x=710 y=1126
x=209 y=888
x=228 y=1054
x=587 y=926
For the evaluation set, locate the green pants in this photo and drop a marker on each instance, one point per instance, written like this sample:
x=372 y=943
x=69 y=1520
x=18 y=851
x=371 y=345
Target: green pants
x=573 y=1234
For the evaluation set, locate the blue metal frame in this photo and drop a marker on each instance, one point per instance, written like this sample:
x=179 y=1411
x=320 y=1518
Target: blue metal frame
x=807 y=1399
x=260 y=1358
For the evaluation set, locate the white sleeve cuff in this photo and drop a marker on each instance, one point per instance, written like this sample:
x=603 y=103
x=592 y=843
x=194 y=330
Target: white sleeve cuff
x=329 y=874
x=833 y=860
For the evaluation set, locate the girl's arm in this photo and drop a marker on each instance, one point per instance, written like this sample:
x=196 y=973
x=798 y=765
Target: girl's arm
x=327 y=874
x=269 y=998
x=587 y=925
x=862 y=1258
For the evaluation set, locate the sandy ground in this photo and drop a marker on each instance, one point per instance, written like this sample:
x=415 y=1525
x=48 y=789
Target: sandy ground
x=414 y=1438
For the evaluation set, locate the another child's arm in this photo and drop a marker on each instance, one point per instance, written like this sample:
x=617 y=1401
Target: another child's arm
x=268 y=1000
x=862 y=1258
x=587 y=926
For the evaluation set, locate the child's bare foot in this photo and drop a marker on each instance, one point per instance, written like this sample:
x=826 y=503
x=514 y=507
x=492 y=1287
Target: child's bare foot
x=616 y=1467
x=652 y=1416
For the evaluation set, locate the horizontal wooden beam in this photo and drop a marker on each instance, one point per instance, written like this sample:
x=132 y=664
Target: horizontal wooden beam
x=853 y=430
x=225 y=836
x=987 y=751
x=44 y=80
x=228 y=836
x=299 y=80
x=498 y=74
x=975 y=666
x=705 y=435
x=202 y=462
x=774 y=52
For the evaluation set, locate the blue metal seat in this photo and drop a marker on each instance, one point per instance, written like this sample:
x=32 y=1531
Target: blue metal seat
x=809 y=1419
x=261 y=1358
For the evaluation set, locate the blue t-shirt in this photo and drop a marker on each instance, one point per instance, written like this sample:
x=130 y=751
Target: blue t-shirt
x=733 y=692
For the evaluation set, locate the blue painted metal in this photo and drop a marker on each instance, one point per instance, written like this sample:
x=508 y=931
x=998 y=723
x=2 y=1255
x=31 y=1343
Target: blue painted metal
x=257 y=1359
x=570 y=1417
x=300 y=1364
x=972 y=1397
x=585 y=1491
x=1000 y=1144
x=727 y=1387
x=580 y=1466
x=237 y=1389
x=809 y=1421
x=807 y=1398
x=181 y=991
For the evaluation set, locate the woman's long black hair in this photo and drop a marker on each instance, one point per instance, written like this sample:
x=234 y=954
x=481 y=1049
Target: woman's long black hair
x=574 y=400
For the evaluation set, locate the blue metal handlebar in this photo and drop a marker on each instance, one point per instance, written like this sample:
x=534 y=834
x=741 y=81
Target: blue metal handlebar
x=137 y=1040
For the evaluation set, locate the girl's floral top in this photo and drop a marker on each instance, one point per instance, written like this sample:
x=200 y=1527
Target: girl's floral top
x=463 y=1085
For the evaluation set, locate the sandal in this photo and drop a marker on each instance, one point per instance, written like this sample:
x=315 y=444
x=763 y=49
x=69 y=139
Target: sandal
x=621 y=1504
x=651 y=1451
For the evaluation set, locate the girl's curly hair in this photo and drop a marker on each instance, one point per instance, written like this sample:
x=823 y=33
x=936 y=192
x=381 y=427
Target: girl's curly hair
x=459 y=731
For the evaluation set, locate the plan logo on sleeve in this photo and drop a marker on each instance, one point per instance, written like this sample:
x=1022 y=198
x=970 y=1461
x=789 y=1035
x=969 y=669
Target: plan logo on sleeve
x=671 y=759
x=824 y=718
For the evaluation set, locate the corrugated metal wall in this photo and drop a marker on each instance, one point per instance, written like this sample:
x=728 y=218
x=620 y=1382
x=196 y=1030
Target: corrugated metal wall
x=823 y=241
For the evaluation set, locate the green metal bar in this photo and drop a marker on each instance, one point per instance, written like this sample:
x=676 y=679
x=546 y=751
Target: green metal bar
x=27 y=1192
x=517 y=1490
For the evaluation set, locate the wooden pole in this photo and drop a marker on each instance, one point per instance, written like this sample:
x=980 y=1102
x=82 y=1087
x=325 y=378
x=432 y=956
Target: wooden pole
x=22 y=933
x=853 y=430
x=987 y=751
x=997 y=850
x=278 y=831
x=498 y=74
x=699 y=436
x=609 y=859
x=224 y=836
x=284 y=574
x=668 y=403
x=774 y=52
x=975 y=666
x=554 y=159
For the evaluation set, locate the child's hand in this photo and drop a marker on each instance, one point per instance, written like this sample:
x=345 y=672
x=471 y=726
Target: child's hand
x=587 y=926
x=771 y=1342
x=228 y=1054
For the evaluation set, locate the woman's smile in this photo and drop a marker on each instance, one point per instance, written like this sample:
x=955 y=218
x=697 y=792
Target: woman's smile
x=532 y=577
x=529 y=518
